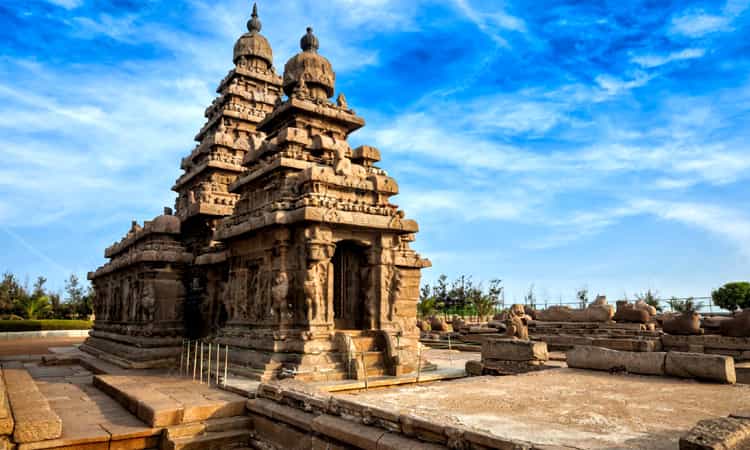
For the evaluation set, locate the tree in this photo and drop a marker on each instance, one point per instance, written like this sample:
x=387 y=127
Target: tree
x=459 y=296
x=684 y=306
x=732 y=296
x=11 y=292
x=78 y=297
x=35 y=307
x=583 y=297
x=485 y=303
x=650 y=298
x=530 y=297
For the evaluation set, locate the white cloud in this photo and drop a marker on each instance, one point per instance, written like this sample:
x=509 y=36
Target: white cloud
x=492 y=24
x=67 y=4
x=650 y=61
x=697 y=23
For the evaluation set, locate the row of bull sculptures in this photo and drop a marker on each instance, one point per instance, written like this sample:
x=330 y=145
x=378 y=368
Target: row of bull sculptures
x=685 y=323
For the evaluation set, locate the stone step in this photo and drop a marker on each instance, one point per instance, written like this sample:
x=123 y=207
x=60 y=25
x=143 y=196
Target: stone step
x=165 y=401
x=212 y=440
x=212 y=425
x=34 y=418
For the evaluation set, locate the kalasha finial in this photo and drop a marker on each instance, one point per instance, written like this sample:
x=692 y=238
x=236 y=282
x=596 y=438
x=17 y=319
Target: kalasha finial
x=254 y=25
x=309 y=42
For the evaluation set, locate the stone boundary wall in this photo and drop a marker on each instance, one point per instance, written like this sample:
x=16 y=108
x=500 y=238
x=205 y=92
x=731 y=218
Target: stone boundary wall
x=717 y=368
x=15 y=335
x=291 y=415
x=736 y=347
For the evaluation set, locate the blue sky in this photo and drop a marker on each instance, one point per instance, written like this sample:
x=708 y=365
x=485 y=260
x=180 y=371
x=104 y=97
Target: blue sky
x=561 y=143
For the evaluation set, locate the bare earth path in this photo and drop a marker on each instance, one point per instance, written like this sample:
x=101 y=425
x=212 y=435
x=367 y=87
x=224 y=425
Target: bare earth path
x=35 y=346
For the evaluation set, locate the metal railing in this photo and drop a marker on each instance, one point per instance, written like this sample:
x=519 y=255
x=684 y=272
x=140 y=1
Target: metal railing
x=203 y=360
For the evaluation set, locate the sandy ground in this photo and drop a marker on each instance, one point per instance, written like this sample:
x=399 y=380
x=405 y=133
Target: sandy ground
x=35 y=346
x=579 y=408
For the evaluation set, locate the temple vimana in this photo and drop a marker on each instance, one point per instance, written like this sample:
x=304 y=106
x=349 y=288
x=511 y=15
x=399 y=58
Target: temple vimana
x=283 y=243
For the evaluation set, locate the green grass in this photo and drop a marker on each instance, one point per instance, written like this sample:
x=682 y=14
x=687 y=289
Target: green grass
x=38 y=325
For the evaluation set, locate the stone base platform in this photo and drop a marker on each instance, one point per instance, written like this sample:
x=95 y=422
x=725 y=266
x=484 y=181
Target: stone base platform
x=133 y=353
x=737 y=348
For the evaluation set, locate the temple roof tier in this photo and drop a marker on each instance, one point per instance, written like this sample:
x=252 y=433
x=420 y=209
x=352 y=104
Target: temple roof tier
x=164 y=224
x=324 y=110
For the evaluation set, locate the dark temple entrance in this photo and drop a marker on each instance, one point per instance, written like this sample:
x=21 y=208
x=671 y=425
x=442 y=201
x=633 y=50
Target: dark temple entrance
x=348 y=301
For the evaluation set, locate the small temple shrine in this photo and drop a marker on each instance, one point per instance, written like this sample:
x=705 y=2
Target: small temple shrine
x=283 y=244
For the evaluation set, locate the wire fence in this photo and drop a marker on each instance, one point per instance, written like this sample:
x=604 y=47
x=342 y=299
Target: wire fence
x=205 y=361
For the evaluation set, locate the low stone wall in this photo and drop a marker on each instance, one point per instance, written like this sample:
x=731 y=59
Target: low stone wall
x=14 y=335
x=678 y=364
x=562 y=336
x=737 y=348
x=290 y=415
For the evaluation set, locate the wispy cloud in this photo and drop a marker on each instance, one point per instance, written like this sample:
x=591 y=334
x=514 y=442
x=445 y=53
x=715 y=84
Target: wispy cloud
x=67 y=4
x=650 y=60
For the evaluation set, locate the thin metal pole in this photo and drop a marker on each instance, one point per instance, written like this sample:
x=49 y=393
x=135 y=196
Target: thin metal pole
x=182 y=354
x=226 y=362
x=218 y=356
x=419 y=361
x=200 y=377
x=195 y=360
x=364 y=369
x=187 y=359
x=208 y=378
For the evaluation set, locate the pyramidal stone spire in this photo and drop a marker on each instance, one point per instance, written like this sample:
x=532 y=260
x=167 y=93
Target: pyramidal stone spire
x=254 y=25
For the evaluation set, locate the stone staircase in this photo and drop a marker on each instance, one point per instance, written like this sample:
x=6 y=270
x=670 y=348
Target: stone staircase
x=213 y=434
x=363 y=353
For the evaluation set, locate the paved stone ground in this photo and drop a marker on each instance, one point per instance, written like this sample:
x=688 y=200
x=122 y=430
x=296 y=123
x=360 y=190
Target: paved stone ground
x=38 y=346
x=564 y=406
x=89 y=416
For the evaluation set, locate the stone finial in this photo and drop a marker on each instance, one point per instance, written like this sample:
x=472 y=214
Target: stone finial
x=309 y=42
x=167 y=211
x=254 y=25
x=341 y=101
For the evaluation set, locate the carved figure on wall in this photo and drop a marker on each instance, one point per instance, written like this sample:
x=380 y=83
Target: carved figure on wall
x=517 y=323
x=279 y=291
x=341 y=101
x=342 y=164
x=313 y=287
x=148 y=303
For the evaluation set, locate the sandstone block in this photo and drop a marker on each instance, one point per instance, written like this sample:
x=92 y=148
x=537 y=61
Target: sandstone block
x=514 y=350
x=698 y=365
x=341 y=430
x=597 y=358
x=724 y=433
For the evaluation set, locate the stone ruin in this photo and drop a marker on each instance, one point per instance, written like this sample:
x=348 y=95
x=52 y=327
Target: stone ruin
x=284 y=244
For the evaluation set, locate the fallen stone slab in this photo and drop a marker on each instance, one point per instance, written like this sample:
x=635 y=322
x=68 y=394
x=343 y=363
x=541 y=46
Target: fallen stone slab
x=698 y=365
x=597 y=358
x=724 y=433
x=34 y=418
x=514 y=350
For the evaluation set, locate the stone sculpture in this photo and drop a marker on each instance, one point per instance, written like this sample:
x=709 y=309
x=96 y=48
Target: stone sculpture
x=517 y=323
x=686 y=323
x=737 y=326
x=599 y=311
x=627 y=312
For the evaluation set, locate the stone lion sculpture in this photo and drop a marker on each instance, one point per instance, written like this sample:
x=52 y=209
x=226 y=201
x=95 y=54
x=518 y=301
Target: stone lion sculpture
x=517 y=323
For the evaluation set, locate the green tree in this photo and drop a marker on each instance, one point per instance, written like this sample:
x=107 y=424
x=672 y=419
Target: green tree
x=583 y=297
x=484 y=304
x=80 y=298
x=650 y=298
x=684 y=306
x=35 y=307
x=11 y=291
x=530 y=298
x=732 y=295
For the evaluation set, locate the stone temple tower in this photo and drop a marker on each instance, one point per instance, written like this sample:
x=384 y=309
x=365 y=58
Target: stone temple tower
x=320 y=268
x=246 y=95
x=284 y=244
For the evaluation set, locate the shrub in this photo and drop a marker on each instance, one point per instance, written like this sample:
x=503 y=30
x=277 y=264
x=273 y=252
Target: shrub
x=40 y=325
x=732 y=295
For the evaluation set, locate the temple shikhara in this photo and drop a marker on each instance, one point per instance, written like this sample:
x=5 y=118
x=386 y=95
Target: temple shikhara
x=283 y=245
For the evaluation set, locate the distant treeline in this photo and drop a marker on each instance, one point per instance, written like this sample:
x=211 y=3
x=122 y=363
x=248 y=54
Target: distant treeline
x=20 y=301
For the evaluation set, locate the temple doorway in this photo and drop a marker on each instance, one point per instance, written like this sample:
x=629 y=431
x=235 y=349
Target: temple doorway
x=348 y=301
